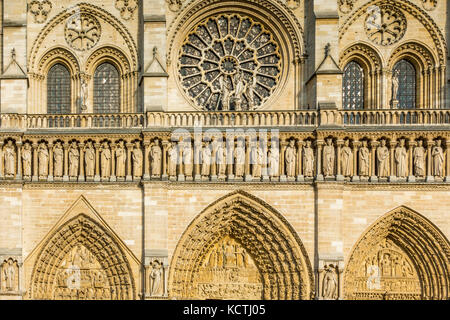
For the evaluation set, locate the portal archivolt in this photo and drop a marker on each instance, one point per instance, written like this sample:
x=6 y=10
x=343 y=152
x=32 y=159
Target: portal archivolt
x=402 y=256
x=240 y=247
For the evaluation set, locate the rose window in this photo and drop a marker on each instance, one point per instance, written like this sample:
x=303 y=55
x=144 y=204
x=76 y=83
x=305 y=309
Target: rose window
x=229 y=62
x=385 y=25
x=82 y=31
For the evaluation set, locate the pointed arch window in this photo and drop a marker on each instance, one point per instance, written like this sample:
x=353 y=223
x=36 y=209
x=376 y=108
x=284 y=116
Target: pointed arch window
x=353 y=86
x=106 y=89
x=58 y=90
x=406 y=94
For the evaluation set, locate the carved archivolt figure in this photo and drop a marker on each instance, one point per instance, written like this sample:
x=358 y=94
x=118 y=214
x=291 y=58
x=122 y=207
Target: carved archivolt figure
x=172 y=152
x=156 y=280
x=347 y=159
x=383 y=159
x=401 y=159
x=89 y=159
x=330 y=287
x=438 y=159
x=273 y=158
x=188 y=158
x=58 y=159
x=328 y=158
x=43 y=160
x=419 y=159
x=137 y=159
x=239 y=159
x=105 y=161
x=290 y=158
x=206 y=160
x=221 y=159
x=74 y=160
x=155 y=156
x=10 y=155
x=308 y=160
x=364 y=157
x=26 y=160
x=121 y=158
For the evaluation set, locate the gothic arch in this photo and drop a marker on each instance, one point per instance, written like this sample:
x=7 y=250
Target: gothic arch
x=58 y=55
x=267 y=237
x=411 y=238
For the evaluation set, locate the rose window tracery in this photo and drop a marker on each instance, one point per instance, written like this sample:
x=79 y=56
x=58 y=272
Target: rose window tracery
x=385 y=25
x=82 y=31
x=229 y=62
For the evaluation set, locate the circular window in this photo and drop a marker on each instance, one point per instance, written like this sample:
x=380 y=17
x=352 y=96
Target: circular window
x=229 y=62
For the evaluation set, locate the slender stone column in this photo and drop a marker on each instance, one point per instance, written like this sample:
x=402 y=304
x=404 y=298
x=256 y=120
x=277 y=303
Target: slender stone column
x=373 y=161
x=81 y=164
x=197 y=158
x=213 y=160
x=113 y=176
x=392 y=174
x=339 y=176
x=50 y=162
x=319 y=145
x=19 y=160
x=299 y=167
x=430 y=144
x=129 y=175
x=248 y=146
x=181 y=176
x=66 y=161
x=165 y=144
x=35 y=162
x=356 y=146
x=146 y=160
x=1 y=160
x=411 y=145
x=230 y=158
x=447 y=156
x=283 y=144
x=97 y=162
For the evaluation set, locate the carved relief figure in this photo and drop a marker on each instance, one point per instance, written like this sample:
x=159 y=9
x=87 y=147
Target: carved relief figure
x=43 y=160
x=328 y=158
x=239 y=88
x=74 y=159
x=156 y=155
x=121 y=157
x=26 y=160
x=9 y=275
x=10 y=155
x=105 y=161
x=401 y=159
x=250 y=93
x=257 y=159
x=347 y=159
x=206 y=160
x=156 y=279
x=395 y=84
x=438 y=159
x=239 y=159
x=364 y=156
x=84 y=94
x=330 y=286
x=58 y=159
x=89 y=159
x=137 y=156
x=188 y=158
x=419 y=159
x=221 y=159
x=308 y=160
x=290 y=158
x=172 y=152
x=383 y=159
x=274 y=160
x=225 y=94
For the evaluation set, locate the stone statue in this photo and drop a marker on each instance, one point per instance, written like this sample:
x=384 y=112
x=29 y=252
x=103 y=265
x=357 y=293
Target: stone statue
x=89 y=159
x=239 y=88
x=206 y=160
x=364 y=158
x=274 y=161
x=121 y=158
x=383 y=159
x=346 y=159
x=84 y=94
x=74 y=159
x=395 y=84
x=400 y=157
x=10 y=155
x=419 y=159
x=43 y=160
x=156 y=156
x=9 y=275
x=438 y=159
x=58 y=159
x=308 y=160
x=221 y=160
x=250 y=94
x=26 y=160
x=257 y=160
x=328 y=158
x=172 y=153
x=290 y=158
x=137 y=157
x=188 y=158
x=330 y=287
x=156 y=280
x=225 y=94
x=239 y=159
x=105 y=160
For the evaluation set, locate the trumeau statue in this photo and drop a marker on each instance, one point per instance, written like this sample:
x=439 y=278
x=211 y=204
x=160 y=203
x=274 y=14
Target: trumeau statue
x=89 y=159
x=364 y=157
x=10 y=155
x=401 y=159
x=308 y=160
x=221 y=159
x=419 y=159
x=206 y=160
x=9 y=275
x=347 y=159
x=26 y=160
x=383 y=159
x=105 y=160
x=43 y=160
x=328 y=158
x=172 y=153
x=58 y=159
x=121 y=157
x=290 y=158
x=156 y=157
x=188 y=159
x=138 y=157
x=156 y=279
x=74 y=159
x=330 y=286
x=273 y=159
x=438 y=159
x=239 y=159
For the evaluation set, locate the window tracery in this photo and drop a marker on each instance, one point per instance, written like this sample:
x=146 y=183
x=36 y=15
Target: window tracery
x=353 y=86
x=106 y=89
x=58 y=90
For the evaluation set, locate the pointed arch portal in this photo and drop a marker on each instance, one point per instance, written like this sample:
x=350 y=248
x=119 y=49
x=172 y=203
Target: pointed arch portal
x=241 y=248
x=403 y=256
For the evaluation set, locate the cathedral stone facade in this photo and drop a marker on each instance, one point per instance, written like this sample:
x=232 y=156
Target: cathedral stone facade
x=221 y=149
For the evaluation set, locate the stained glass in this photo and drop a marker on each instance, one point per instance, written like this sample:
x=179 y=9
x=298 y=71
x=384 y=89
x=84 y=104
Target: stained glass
x=406 y=95
x=353 y=86
x=106 y=89
x=58 y=90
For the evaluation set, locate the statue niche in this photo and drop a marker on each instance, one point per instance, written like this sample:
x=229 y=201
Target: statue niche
x=228 y=272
